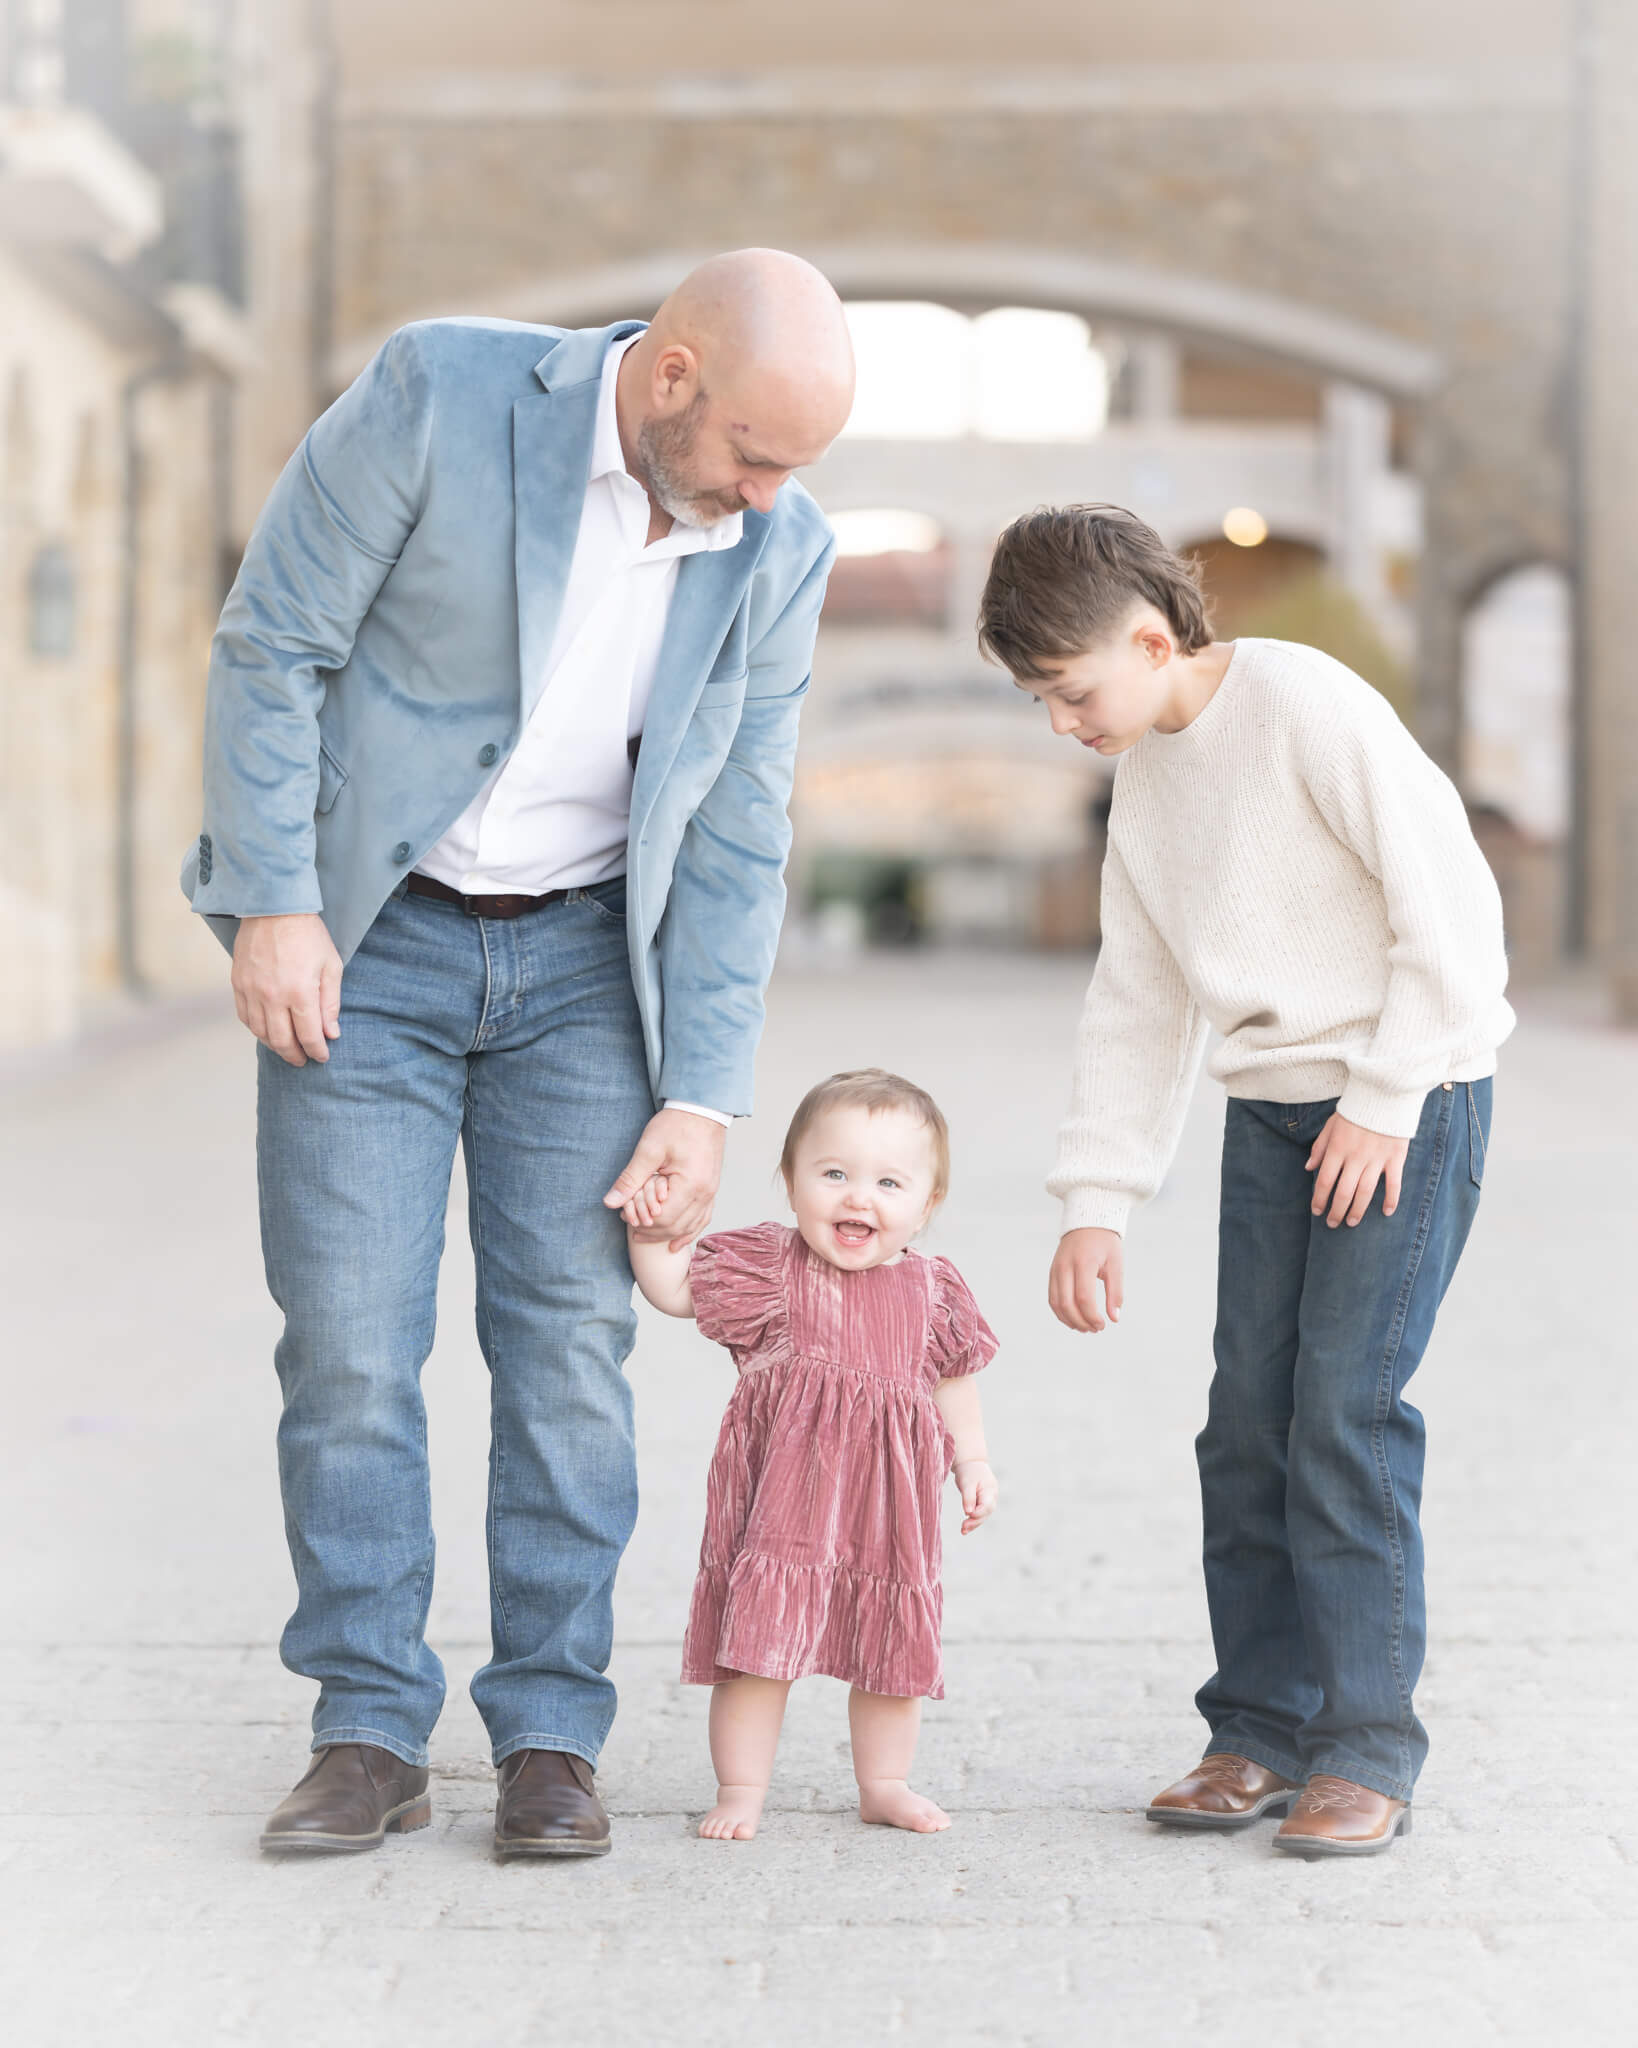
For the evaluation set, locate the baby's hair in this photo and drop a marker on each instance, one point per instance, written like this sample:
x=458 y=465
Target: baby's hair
x=873 y=1089
x=1064 y=577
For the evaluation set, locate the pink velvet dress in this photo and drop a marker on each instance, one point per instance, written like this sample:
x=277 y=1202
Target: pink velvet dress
x=821 y=1550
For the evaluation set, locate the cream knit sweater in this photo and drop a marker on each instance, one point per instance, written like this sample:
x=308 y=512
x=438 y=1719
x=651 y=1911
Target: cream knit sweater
x=1292 y=871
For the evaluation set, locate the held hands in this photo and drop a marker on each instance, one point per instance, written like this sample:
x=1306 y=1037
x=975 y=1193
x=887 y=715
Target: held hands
x=979 y=1491
x=668 y=1186
x=1086 y=1260
x=287 y=985
x=1347 y=1162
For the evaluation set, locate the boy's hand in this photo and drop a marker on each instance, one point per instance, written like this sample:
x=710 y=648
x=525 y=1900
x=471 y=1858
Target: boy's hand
x=979 y=1491
x=1347 y=1162
x=1085 y=1259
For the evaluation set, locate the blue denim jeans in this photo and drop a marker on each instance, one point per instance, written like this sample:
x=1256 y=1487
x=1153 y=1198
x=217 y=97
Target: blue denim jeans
x=1311 y=1457
x=520 y=1038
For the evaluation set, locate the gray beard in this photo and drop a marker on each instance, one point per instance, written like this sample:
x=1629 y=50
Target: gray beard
x=663 y=449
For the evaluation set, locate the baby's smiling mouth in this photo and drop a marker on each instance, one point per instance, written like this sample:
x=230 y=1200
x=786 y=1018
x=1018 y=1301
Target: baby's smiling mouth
x=855 y=1233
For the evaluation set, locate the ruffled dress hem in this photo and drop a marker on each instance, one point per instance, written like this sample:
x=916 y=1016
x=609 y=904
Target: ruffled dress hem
x=832 y=1621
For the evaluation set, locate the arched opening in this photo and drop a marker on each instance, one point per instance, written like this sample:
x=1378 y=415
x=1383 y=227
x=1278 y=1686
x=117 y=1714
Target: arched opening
x=993 y=378
x=1246 y=578
x=1516 y=750
x=892 y=568
x=1271 y=587
x=1516 y=699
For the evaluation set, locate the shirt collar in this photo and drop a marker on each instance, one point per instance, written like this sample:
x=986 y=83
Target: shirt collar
x=608 y=459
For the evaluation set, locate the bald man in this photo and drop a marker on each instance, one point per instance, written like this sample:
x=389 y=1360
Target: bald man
x=499 y=741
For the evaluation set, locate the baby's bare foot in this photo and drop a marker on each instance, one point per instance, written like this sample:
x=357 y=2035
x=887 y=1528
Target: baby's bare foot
x=889 y=1803
x=736 y=1813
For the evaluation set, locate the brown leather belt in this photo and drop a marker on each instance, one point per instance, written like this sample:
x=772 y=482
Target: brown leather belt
x=481 y=906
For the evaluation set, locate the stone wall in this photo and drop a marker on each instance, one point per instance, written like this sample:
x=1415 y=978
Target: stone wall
x=1436 y=217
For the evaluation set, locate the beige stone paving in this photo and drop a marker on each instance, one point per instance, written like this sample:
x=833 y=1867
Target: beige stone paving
x=149 y=1725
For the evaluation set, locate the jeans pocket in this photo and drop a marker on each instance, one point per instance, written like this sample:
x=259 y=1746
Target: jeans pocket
x=609 y=907
x=1475 y=1139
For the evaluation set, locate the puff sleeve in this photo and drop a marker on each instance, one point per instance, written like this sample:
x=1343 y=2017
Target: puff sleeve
x=962 y=1342
x=738 y=1283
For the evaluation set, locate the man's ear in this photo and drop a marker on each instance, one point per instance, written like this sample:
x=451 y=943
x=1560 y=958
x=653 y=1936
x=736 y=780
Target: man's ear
x=676 y=373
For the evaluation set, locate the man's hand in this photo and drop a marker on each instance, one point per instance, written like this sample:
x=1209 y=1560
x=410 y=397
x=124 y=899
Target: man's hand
x=1347 y=1162
x=1086 y=1258
x=685 y=1152
x=287 y=985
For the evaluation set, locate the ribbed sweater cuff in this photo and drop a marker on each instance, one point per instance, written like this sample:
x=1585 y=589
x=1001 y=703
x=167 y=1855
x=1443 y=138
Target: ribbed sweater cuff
x=1387 y=1111
x=1096 y=1209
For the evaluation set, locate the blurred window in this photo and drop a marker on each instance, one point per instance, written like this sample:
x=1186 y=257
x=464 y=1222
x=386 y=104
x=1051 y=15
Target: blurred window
x=1016 y=373
x=1037 y=377
x=52 y=602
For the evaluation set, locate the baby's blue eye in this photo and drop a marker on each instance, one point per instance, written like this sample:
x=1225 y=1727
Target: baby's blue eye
x=834 y=1173
x=889 y=1183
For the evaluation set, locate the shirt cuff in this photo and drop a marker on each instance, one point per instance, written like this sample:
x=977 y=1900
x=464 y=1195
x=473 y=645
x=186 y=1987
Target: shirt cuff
x=717 y=1116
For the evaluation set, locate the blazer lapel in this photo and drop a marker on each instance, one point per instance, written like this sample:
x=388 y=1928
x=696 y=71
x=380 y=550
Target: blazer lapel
x=709 y=589
x=551 y=452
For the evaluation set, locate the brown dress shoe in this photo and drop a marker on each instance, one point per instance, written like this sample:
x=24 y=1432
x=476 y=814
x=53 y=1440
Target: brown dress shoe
x=548 y=1806
x=1223 y=1791
x=1335 y=1817
x=353 y=1794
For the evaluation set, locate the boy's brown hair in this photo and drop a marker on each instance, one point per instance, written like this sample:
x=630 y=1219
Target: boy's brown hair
x=1063 y=577
x=874 y=1089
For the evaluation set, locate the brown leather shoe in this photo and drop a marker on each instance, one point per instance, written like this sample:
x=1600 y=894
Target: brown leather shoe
x=548 y=1806
x=1335 y=1817
x=1223 y=1791
x=353 y=1794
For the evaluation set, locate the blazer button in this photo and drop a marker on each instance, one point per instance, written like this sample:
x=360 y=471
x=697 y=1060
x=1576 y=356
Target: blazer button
x=489 y=754
x=402 y=851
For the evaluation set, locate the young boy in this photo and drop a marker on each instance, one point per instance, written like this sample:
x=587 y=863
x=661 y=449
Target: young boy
x=1287 y=866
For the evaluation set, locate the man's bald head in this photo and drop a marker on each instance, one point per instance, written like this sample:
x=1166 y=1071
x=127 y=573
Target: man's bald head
x=745 y=374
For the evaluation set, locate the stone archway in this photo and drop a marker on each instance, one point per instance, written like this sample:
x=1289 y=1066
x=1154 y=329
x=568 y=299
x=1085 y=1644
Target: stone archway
x=974 y=275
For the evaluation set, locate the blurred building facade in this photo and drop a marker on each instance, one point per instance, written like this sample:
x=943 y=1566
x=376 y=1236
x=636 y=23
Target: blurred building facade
x=119 y=342
x=1356 y=272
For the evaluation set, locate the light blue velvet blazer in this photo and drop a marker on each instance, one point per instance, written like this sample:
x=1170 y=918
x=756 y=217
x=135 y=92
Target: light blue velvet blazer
x=405 y=575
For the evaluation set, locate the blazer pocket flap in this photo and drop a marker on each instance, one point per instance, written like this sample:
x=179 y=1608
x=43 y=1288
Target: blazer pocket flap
x=332 y=778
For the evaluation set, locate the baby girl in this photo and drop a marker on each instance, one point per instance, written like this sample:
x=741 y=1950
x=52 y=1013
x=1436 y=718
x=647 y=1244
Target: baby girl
x=854 y=1400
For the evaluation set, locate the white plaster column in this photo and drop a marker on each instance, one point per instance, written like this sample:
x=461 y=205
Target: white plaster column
x=1358 y=432
x=1156 y=378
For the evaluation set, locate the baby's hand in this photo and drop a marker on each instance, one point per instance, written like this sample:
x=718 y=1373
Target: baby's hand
x=979 y=1491
x=644 y=1207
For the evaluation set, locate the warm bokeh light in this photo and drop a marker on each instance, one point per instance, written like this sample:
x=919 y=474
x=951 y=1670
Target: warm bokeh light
x=1246 y=528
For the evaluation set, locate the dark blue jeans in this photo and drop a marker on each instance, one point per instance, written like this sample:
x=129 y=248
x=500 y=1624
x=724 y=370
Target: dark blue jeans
x=1311 y=1457
x=520 y=1040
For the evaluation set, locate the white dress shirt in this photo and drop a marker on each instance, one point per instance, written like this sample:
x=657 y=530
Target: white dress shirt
x=555 y=814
